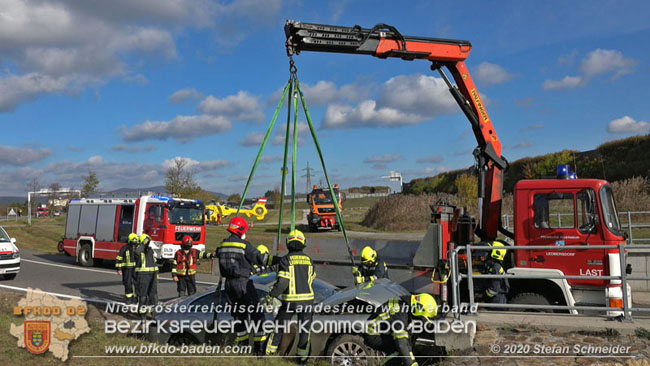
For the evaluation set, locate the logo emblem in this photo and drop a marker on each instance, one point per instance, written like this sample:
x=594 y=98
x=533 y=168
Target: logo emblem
x=37 y=336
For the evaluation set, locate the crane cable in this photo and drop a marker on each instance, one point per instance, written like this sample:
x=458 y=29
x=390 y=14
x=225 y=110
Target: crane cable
x=293 y=90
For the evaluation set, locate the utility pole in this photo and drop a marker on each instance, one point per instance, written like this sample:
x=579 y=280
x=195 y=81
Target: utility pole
x=308 y=175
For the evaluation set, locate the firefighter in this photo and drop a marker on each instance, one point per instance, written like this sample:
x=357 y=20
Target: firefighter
x=265 y=271
x=497 y=288
x=236 y=259
x=294 y=288
x=125 y=264
x=371 y=267
x=387 y=329
x=146 y=274
x=185 y=262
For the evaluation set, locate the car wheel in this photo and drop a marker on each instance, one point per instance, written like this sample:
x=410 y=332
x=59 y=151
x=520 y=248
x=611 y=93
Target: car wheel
x=10 y=276
x=182 y=339
x=85 y=256
x=531 y=298
x=348 y=350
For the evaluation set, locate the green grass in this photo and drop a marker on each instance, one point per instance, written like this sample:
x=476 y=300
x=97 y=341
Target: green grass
x=93 y=343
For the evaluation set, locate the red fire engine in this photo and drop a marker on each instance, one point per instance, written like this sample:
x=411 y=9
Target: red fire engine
x=96 y=228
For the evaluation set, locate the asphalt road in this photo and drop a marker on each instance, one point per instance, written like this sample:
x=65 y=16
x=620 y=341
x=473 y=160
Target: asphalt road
x=60 y=274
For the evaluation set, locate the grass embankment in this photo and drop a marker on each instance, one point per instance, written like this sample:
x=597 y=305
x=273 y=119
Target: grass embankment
x=93 y=343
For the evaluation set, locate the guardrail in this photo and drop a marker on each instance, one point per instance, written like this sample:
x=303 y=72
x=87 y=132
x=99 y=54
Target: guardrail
x=457 y=278
x=628 y=224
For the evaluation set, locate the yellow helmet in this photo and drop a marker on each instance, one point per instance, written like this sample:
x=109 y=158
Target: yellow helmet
x=296 y=235
x=424 y=305
x=499 y=251
x=133 y=238
x=368 y=255
x=145 y=239
x=263 y=249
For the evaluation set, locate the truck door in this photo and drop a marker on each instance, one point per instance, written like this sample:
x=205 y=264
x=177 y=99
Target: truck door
x=153 y=222
x=125 y=223
x=564 y=219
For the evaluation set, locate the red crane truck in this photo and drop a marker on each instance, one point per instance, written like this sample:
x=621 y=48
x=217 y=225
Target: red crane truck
x=96 y=228
x=585 y=207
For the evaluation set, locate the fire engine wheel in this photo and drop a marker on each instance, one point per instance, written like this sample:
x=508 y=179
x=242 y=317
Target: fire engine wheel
x=348 y=350
x=531 y=298
x=85 y=256
x=59 y=247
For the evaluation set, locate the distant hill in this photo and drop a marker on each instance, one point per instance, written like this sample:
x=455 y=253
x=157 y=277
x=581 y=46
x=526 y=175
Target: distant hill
x=613 y=161
x=160 y=190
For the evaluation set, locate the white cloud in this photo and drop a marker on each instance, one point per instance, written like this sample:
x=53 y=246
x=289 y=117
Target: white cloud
x=524 y=145
x=133 y=148
x=241 y=107
x=252 y=139
x=388 y=158
x=181 y=128
x=21 y=156
x=569 y=82
x=183 y=95
x=490 y=74
x=16 y=89
x=281 y=132
x=325 y=92
x=435 y=159
x=601 y=61
x=367 y=114
x=195 y=165
x=628 y=124
x=595 y=63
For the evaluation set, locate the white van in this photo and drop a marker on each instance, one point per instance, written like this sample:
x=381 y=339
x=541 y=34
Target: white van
x=9 y=256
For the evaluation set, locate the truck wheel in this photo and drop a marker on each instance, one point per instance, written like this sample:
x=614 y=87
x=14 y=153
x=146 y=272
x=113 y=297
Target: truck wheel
x=531 y=298
x=348 y=350
x=85 y=256
x=59 y=247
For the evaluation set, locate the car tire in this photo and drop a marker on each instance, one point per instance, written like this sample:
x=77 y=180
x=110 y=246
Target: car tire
x=531 y=298
x=10 y=276
x=85 y=256
x=182 y=339
x=348 y=349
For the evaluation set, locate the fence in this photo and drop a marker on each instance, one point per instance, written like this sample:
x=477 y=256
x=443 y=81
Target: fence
x=630 y=221
x=623 y=278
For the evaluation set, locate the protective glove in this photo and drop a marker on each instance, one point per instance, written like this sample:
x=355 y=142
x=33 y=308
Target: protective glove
x=355 y=271
x=119 y=272
x=175 y=278
x=267 y=303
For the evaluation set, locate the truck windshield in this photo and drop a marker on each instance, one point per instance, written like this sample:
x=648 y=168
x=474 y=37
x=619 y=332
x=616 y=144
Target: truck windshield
x=323 y=198
x=186 y=216
x=610 y=215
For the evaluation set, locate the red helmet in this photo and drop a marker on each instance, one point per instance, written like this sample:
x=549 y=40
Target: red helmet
x=238 y=226
x=187 y=239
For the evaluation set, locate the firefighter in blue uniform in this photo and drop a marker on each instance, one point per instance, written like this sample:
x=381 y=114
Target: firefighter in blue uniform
x=125 y=265
x=497 y=288
x=146 y=274
x=387 y=329
x=371 y=267
x=236 y=259
x=294 y=288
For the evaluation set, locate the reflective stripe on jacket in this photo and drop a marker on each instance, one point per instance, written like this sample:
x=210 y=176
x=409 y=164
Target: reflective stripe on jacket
x=125 y=257
x=185 y=263
x=296 y=275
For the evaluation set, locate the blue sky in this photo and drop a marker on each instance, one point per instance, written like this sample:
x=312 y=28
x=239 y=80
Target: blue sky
x=124 y=87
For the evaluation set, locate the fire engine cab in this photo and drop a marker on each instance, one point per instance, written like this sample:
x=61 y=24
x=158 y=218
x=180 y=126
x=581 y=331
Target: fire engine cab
x=96 y=228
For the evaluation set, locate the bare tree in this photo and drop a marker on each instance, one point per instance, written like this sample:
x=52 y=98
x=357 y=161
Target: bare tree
x=53 y=195
x=33 y=186
x=90 y=183
x=179 y=180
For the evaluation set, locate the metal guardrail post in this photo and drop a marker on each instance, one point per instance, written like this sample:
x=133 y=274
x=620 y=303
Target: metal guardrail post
x=626 y=312
x=629 y=225
x=470 y=280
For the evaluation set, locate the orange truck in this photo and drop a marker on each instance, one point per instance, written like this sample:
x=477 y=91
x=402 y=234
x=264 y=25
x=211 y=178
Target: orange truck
x=322 y=213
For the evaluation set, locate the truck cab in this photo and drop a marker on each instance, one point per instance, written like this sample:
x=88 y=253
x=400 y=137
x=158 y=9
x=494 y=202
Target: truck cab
x=322 y=212
x=565 y=213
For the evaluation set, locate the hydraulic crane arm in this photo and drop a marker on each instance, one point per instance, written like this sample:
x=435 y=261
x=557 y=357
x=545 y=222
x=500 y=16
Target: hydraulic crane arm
x=385 y=41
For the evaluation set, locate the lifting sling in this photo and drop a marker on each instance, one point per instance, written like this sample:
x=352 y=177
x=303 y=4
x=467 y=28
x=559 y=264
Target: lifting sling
x=292 y=89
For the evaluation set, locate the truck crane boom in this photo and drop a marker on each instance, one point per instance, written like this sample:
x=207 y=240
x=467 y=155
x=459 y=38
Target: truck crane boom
x=384 y=41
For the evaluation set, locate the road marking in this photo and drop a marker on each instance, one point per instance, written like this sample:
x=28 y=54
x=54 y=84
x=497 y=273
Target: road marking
x=88 y=299
x=100 y=271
